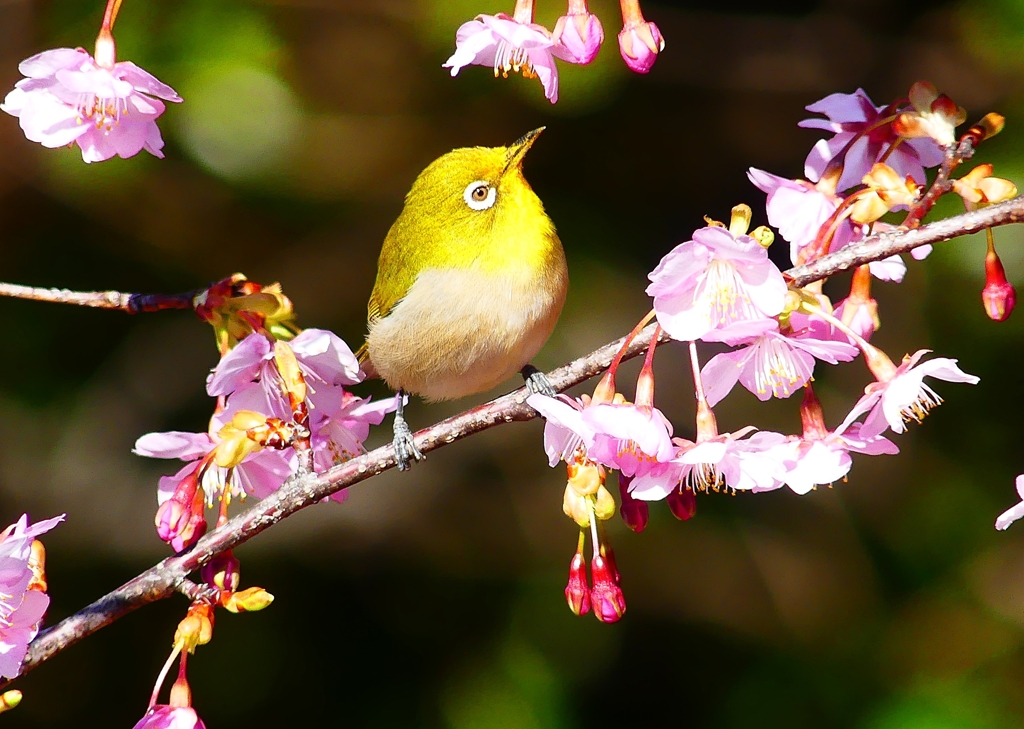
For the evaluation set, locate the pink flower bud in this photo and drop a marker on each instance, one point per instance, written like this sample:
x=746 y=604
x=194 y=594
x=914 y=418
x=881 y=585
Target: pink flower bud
x=682 y=504
x=222 y=572
x=579 y=35
x=640 y=46
x=609 y=603
x=577 y=592
x=180 y=520
x=998 y=295
x=633 y=511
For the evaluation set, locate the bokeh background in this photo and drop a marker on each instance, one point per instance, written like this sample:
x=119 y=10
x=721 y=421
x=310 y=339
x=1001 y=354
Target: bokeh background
x=434 y=599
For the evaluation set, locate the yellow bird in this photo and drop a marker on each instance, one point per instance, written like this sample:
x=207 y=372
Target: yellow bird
x=470 y=283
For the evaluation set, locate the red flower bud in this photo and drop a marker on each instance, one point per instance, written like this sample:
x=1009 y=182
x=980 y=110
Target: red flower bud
x=222 y=572
x=577 y=592
x=609 y=603
x=998 y=295
x=633 y=511
x=682 y=504
x=180 y=520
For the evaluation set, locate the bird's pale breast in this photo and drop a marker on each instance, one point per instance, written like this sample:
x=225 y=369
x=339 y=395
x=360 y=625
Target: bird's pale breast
x=462 y=331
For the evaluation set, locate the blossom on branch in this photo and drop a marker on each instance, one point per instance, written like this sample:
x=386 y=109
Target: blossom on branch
x=506 y=44
x=107 y=109
x=900 y=395
x=720 y=287
x=864 y=134
x=23 y=598
x=771 y=365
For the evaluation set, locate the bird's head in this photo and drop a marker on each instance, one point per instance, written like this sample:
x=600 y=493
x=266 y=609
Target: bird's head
x=476 y=204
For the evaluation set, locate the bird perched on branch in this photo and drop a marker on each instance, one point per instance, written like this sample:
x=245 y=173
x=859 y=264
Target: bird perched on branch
x=470 y=282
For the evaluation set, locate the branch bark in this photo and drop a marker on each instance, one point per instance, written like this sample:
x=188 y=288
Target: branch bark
x=164 y=578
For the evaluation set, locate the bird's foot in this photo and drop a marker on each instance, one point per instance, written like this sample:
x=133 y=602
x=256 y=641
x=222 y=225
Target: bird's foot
x=405 y=448
x=537 y=382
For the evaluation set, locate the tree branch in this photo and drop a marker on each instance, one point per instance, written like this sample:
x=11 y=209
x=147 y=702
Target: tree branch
x=163 y=579
x=130 y=303
x=883 y=245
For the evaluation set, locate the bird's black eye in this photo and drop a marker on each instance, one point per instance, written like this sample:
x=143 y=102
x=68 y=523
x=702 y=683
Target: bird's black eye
x=479 y=195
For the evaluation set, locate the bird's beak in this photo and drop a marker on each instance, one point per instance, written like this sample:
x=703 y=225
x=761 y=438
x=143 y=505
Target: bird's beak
x=518 y=149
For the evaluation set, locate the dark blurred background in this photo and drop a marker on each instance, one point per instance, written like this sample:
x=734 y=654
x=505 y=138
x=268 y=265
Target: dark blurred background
x=434 y=599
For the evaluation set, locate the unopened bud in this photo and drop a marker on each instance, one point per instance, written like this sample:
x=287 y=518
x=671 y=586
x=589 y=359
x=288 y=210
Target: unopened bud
x=585 y=478
x=9 y=699
x=608 y=601
x=196 y=628
x=998 y=295
x=248 y=600
x=576 y=507
x=577 y=591
x=604 y=504
x=989 y=126
x=580 y=33
x=763 y=235
x=180 y=521
x=634 y=512
x=37 y=565
x=222 y=572
x=682 y=503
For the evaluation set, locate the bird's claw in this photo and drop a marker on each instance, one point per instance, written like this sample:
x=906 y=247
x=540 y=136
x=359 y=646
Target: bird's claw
x=537 y=382
x=405 y=448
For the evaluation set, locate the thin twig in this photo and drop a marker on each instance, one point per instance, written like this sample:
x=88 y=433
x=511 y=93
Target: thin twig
x=130 y=303
x=883 y=245
x=163 y=579
x=955 y=155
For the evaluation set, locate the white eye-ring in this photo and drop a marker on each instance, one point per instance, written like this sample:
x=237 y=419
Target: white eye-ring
x=479 y=195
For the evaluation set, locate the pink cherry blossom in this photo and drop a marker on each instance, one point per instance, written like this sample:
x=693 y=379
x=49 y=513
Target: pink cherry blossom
x=717 y=287
x=67 y=98
x=867 y=130
x=725 y=460
x=799 y=209
x=1016 y=511
x=507 y=44
x=904 y=396
x=323 y=357
x=815 y=461
x=566 y=434
x=578 y=33
x=772 y=365
x=163 y=716
x=628 y=438
x=260 y=473
x=21 y=609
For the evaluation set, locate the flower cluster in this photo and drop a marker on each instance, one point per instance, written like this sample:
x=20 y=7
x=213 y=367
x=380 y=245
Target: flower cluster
x=721 y=287
x=282 y=406
x=516 y=43
x=23 y=598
